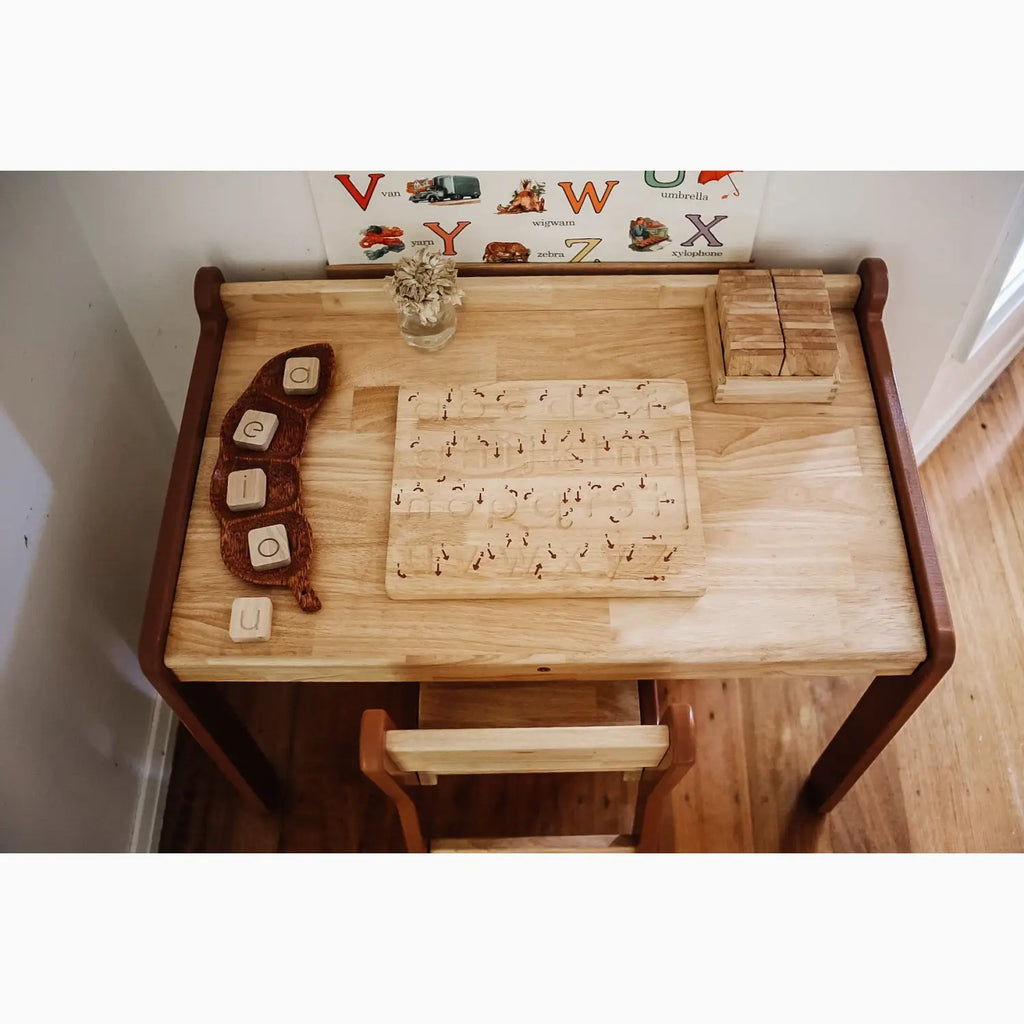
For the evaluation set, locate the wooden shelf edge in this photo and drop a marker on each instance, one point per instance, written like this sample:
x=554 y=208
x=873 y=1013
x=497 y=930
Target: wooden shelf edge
x=346 y=271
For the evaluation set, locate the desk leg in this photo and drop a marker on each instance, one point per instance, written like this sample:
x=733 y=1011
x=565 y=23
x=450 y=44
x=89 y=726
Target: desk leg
x=890 y=700
x=886 y=705
x=219 y=731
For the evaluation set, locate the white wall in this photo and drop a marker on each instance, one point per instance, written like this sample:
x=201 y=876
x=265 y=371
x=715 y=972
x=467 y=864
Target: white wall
x=149 y=233
x=935 y=231
x=85 y=448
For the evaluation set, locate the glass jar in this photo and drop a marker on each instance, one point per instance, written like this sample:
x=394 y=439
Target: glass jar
x=428 y=337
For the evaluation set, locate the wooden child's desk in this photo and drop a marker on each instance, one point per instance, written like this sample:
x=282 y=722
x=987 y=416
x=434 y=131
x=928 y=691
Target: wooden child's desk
x=820 y=559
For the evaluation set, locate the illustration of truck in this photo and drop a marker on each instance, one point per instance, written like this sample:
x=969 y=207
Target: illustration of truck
x=447 y=186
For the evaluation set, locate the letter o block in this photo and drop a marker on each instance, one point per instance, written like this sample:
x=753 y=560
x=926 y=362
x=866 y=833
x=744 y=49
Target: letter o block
x=268 y=548
x=301 y=375
x=255 y=430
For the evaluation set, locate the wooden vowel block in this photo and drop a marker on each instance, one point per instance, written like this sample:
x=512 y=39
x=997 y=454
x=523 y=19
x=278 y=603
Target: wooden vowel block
x=268 y=548
x=255 y=430
x=247 y=490
x=251 y=619
x=811 y=345
x=301 y=375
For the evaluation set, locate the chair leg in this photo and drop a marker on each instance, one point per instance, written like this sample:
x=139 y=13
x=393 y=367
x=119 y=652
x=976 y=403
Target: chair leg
x=381 y=770
x=656 y=784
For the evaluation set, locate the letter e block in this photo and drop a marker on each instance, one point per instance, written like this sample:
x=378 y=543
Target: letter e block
x=250 y=619
x=256 y=430
x=301 y=375
x=268 y=548
x=247 y=490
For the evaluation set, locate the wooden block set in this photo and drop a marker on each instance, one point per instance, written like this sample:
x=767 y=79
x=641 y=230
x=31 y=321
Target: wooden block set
x=771 y=337
x=246 y=491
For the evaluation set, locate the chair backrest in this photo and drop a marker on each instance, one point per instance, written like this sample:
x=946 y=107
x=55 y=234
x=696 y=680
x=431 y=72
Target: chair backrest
x=397 y=758
x=608 y=748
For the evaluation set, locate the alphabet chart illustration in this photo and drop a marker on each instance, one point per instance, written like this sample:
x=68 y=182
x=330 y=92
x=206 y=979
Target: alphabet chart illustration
x=522 y=216
x=545 y=489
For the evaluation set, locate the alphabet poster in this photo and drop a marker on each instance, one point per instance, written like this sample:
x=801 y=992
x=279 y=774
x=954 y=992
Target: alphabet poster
x=540 y=216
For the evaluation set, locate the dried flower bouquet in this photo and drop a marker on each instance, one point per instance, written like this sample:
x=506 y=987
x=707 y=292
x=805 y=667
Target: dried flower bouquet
x=424 y=282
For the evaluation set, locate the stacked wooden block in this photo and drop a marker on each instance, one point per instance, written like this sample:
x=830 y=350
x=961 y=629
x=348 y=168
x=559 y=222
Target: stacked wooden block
x=812 y=349
x=749 y=320
x=771 y=337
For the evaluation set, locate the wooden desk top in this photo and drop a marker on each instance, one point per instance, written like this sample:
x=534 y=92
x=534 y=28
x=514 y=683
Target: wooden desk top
x=807 y=567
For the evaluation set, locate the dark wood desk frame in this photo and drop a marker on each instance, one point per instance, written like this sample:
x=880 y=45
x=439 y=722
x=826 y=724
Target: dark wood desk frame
x=886 y=705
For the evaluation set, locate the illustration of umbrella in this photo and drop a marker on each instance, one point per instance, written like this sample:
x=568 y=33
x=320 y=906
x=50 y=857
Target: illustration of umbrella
x=705 y=176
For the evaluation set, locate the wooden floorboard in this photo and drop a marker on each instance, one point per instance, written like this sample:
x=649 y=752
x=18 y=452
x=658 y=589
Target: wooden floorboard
x=953 y=779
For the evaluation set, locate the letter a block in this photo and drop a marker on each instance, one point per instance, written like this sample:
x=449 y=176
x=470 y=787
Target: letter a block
x=256 y=430
x=250 y=619
x=268 y=548
x=301 y=375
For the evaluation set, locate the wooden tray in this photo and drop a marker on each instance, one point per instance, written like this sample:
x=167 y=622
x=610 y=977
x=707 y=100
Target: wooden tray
x=281 y=464
x=545 y=488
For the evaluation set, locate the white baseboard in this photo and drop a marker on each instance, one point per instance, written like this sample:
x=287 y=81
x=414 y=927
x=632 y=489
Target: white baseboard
x=156 y=775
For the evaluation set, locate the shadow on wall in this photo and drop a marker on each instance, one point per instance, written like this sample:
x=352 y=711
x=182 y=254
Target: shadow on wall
x=81 y=412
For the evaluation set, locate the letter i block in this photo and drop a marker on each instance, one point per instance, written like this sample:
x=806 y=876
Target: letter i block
x=301 y=375
x=247 y=490
x=250 y=619
x=256 y=430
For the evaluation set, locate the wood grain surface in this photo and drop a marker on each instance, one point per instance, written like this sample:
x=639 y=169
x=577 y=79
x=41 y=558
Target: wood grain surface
x=537 y=844
x=948 y=782
x=544 y=489
x=529 y=704
x=807 y=568
x=585 y=748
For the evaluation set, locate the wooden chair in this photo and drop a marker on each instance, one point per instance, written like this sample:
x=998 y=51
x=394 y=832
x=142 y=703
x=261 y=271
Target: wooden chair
x=554 y=727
